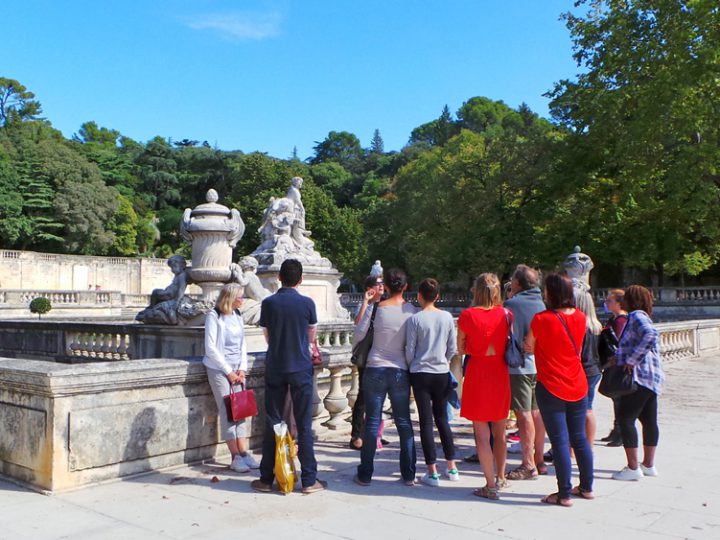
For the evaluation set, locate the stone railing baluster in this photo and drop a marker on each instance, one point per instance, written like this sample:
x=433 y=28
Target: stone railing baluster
x=335 y=401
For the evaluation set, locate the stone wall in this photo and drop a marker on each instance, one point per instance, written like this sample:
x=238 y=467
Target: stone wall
x=64 y=426
x=31 y=270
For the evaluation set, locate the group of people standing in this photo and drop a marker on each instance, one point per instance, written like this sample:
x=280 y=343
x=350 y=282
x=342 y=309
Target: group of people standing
x=551 y=391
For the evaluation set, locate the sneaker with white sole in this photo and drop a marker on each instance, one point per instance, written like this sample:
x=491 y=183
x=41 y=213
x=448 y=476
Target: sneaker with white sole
x=431 y=479
x=238 y=465
x=648 y=471
x=250 y=461
x=628 y=474
x=453 y=475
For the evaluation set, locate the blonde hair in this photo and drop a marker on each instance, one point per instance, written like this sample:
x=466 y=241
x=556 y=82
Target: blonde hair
x=487 y=291
x=584 y=302
x=227 y=297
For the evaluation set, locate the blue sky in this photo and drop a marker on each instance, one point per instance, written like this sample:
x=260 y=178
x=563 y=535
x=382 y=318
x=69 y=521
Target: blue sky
x=268 y=75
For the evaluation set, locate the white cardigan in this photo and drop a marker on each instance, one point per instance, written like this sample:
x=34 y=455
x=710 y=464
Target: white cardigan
x=215 y=344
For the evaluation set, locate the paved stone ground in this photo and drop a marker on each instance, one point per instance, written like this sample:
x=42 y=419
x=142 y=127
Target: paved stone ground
x=683 y=502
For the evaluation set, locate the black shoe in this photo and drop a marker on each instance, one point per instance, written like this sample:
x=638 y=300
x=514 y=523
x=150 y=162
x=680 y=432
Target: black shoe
x=617 y=441
x=472 y=458
x=384 y=442
x=548 y=456
x=614 y=434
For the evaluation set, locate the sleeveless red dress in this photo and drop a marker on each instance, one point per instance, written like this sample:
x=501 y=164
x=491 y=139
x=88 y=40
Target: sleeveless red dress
x=486 y=387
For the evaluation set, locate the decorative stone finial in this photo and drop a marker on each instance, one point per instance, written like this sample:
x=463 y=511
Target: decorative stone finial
x=212 y=196
x=578 y=266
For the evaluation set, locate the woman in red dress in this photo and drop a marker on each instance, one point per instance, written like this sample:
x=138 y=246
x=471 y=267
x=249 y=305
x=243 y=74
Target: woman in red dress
x=482 y=334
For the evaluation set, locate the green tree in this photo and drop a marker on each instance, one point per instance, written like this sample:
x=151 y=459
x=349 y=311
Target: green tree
x=437 y=132
x=341 y=147
x=16 y=102
x=124 y=226
x=158 y=167
x=646 y=123
x=377 y=145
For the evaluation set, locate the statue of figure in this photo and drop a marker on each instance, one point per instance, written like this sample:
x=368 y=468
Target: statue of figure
x=164 y=302
x=283 y=233
x=294 y=195
x=376 y=270
x=578 y=266
x=245 y=273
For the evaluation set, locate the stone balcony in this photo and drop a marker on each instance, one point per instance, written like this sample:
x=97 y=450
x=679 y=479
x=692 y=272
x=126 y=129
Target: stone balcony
x=120 y=402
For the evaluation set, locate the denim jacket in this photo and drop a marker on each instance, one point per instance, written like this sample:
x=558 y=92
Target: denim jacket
x=640 y=347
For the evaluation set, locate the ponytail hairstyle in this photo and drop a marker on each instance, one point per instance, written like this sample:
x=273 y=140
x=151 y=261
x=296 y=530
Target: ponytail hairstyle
x=395 y=281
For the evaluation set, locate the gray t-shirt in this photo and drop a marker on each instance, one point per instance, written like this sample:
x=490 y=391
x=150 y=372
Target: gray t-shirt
x=431 y=341
x=388 y=349
x=524 y=305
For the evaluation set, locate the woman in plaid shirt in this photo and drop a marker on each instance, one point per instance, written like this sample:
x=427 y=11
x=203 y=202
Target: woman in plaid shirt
x=639 y=351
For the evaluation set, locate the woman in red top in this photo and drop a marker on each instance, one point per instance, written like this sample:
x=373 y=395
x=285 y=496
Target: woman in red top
x=556 y=337
x=482 y=334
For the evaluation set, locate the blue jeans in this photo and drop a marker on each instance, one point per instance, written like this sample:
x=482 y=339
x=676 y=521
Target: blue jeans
x=565 y=425
x=301 y=392
x=395 y=383
x=593 y=381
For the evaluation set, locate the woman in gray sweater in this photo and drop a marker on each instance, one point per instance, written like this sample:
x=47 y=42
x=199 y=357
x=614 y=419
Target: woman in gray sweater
x=430 y=344
x=386 y=375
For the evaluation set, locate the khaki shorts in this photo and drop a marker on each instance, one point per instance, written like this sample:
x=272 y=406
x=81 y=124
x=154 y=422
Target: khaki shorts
x=522 y=388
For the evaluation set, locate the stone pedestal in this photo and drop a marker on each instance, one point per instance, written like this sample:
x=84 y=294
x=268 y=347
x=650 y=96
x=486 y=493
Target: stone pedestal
x=320 y=284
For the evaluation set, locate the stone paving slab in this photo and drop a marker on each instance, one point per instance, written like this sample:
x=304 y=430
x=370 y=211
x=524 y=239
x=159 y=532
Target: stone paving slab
x=683 y=502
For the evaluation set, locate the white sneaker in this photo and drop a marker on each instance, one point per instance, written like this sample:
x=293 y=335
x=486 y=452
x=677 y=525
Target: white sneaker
x=515 y=448
x=250 y=461
x=648 y=471
x=628 y=474
x=431 y=479
x=453 y=475
x=238 y=464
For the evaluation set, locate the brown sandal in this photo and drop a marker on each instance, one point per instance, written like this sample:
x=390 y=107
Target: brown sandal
x=522 y=473
x=584 y=493
x=554 y=498
x=487 y=493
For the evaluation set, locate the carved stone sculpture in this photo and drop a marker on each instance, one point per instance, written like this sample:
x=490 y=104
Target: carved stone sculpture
x=245 y=273
x=283 y=234
x=213 y=230
x=578 y=266
x=164 y=302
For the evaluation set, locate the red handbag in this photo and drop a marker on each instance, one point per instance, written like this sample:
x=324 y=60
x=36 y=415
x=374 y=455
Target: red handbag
x=316 y=356
x=239 y=405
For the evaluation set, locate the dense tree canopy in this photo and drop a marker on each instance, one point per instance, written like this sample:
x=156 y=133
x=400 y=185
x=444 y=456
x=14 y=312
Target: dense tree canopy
x=627 y=167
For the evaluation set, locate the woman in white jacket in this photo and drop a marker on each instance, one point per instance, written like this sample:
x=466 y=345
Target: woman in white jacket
x=226 y=363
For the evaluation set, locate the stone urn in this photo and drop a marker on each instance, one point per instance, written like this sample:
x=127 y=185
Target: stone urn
x=213 y=230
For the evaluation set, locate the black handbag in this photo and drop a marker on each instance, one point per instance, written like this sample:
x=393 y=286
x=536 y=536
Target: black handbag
x=361 y=349
x=514 y=356
x=616 y=382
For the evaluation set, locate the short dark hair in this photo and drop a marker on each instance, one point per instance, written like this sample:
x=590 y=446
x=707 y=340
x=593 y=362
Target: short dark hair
x=429 y=289
x=559 y=291
x=395 y=280
x=637 y=297
x=527 y=277
x=290 y=272
x=372 y=281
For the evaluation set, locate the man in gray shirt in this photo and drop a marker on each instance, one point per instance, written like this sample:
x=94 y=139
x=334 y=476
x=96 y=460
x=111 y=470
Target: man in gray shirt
x=525 y=302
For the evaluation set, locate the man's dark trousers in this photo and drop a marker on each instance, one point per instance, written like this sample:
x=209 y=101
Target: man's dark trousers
x=301 y=391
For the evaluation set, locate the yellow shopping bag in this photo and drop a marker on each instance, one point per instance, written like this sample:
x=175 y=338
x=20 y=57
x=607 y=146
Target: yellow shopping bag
x=284 y=458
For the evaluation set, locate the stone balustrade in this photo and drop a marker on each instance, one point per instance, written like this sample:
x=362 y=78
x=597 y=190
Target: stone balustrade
x=134 y=408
